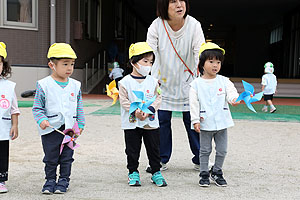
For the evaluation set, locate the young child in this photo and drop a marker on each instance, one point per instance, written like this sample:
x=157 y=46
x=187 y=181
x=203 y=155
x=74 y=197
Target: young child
x=9 y=113
x=58 y=104
x=269 y=84
x=139 y=124
x=210 y=114
x=116 y=73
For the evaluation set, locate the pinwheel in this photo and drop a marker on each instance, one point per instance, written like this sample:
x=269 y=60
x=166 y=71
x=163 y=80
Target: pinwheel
x=70 y=137
x=248 y=95
x=141 y=102
x=112 y=91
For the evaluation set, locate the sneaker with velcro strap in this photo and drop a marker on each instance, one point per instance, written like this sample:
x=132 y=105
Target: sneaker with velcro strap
x=134 y=179
x=217 y=178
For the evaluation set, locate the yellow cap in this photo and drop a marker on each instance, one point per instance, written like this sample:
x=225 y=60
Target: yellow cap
x=210 y=45
x=139 y=48
x=61 y=50
x=3 y=52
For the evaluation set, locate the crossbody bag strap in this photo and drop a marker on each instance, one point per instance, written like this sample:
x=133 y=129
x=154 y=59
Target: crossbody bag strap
x=187 y=68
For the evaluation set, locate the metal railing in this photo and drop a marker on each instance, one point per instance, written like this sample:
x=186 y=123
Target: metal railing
x=94 y=71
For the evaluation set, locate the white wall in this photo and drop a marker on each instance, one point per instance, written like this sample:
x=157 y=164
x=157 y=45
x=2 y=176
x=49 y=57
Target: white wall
x=26 y=77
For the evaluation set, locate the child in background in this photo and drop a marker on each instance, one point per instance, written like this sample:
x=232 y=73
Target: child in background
x=210 y=114
x=116 y=73
x=140 y=125
x=269 y=84
x=58 y=104
x=9 y=113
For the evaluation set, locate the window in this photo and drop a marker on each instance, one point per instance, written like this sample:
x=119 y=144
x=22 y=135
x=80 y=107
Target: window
x=19 y=14
x=90 y=13
x=276 y=34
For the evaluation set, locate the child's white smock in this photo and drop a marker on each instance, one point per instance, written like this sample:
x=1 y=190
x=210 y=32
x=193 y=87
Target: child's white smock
x=6 y=98
x=148 y=88
x=213 y=110
x=60 y=103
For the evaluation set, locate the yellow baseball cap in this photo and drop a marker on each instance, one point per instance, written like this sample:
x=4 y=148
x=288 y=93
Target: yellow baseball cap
x=210 y=45
x=3 y=52
x=61 y=50
x=139 y=48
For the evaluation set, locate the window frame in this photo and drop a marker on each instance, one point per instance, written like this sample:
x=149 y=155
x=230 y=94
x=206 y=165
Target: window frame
x=4 y=23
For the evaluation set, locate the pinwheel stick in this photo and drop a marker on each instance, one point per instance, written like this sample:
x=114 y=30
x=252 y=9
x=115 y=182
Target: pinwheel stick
x=57 y=130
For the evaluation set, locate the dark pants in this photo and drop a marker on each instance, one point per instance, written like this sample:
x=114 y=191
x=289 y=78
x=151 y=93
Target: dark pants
x=133 y=142
x=117 y=81
x=4 y=154
x=164 y=117
x=51 y=146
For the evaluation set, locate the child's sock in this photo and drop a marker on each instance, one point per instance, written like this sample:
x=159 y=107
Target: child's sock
x=272 y=107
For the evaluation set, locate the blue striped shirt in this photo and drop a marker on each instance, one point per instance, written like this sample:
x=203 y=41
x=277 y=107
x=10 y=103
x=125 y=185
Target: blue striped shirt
x=39 y=110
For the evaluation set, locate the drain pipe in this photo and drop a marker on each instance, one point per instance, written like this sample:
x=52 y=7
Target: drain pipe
x=52 y=21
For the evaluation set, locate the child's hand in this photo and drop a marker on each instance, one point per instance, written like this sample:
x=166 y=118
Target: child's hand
x=80 y=129
x=140 y=114
x=14 y=132
x=197 y=127
x=234 y=103
x=44 y=124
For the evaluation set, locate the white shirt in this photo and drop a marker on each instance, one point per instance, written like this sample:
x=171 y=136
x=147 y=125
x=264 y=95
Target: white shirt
x=270 y=83
x=209 y=103
x=168 y=68
x=116 y=73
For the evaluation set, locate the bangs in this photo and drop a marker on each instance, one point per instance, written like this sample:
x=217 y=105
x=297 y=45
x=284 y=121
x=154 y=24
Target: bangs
x=211 y=54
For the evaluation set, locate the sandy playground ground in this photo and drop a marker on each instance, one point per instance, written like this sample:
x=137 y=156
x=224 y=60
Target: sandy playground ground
x=263 y=162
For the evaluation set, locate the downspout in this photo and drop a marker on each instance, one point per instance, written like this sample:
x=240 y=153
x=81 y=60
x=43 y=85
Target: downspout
x=68 y=21
x=52 y=21
x=52 y=24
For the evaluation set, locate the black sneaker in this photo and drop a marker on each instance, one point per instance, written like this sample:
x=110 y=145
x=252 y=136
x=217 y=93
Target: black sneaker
x=204 y=179
x=61 y=186
x=218 y=178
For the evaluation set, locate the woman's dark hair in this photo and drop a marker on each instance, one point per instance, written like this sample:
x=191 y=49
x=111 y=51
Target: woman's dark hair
x=209 y=55
x=6 y=71
x=162 y=7
x=135 y=59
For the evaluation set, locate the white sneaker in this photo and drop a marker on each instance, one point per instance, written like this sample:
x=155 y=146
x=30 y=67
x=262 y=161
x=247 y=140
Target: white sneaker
x=265 y=109
x=196 y=167
x=163 y=168
x=3 y=189
x=272 y=110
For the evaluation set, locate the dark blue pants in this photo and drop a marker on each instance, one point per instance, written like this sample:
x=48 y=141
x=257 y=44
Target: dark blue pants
x=165 y=117
x=51 y=146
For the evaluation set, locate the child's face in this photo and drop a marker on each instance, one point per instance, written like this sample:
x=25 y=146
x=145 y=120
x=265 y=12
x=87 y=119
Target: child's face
x=146 y=61
x=63 y=69
x=211 y=68
x=1 y=65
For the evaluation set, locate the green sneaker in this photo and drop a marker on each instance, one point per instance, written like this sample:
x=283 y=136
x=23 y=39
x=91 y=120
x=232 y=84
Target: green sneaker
x=134 y=179
x=158 y=179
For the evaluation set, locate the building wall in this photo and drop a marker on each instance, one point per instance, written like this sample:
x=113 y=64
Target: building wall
x=29 y=46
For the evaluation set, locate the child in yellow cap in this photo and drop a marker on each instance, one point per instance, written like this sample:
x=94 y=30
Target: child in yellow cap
x=58 y=105
x=141 y=122
x=9 y=113
x=210 y=115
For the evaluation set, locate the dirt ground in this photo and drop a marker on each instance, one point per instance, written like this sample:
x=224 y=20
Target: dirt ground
x=262 y=163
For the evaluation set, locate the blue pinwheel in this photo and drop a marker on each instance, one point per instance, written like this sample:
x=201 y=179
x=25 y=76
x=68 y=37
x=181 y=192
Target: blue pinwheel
x=141 y=102
x=248 y=96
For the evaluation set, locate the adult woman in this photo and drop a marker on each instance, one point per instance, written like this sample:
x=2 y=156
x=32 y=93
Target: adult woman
x=175 y=38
